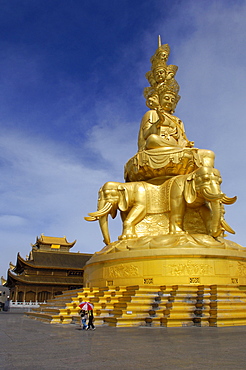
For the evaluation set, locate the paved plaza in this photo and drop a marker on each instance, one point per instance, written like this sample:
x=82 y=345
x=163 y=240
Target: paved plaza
x=30 y=344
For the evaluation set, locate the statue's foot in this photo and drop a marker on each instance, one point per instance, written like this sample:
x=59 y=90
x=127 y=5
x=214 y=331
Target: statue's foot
x=179 y=232
x=127 y=236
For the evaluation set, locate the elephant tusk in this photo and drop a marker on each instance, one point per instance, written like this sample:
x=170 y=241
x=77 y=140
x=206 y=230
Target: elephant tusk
x=209 y=196
x=227 y=200
x=90 y=218
x=101 y=212
x=227 y=227
x=113 y=212
x=217 y=233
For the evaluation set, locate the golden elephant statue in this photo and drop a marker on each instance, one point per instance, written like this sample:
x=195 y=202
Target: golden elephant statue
x=199 y=189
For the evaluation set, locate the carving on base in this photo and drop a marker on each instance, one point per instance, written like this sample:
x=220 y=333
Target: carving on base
x=189 y=269
x=121 y=271
x=241 y=269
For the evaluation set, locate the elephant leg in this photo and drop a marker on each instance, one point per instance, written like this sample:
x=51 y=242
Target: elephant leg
x=135 y=215
x=177 y=216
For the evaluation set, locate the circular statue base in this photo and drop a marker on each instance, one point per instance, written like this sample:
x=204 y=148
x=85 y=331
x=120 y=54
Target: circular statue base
x=168 y=259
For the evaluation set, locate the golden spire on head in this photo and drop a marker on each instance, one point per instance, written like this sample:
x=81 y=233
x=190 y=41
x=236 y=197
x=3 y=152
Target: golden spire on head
x=161 y=53
x=161 y=77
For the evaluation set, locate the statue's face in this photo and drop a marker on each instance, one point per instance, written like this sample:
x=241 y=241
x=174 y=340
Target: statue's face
x=159 y=74
x=153 y=101
x=168 y=102
x=162 y=55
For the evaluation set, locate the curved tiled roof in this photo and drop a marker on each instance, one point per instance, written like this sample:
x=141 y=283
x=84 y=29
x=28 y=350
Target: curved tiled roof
x=39 y=279
x=54 y=240
x=53 y=260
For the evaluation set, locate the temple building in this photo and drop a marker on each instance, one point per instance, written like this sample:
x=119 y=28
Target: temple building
x=49 y=269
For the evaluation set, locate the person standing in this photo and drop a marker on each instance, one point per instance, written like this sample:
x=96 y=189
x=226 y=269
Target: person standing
x=90 y=322
x=84 y=317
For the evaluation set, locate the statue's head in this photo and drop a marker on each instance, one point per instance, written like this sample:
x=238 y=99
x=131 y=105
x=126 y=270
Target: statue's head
x=159 y=73
x=152 y=98
x=168 y=100
x=153 y=101
x=162 y=53
x=171 y=71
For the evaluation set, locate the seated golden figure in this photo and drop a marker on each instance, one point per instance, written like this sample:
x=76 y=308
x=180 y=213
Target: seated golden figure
x=163 y=147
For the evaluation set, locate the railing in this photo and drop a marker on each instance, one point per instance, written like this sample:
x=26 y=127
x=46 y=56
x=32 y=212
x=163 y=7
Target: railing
x=25 y=304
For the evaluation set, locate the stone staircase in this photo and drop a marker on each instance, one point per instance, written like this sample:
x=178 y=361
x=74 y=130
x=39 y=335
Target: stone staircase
x=50 y=311
x=228 y=306
x=132 y=307
x=180 y=306
x=168 y=306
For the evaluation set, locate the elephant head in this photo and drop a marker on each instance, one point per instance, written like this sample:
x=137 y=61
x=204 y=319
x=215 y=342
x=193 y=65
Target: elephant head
x=204 y=185
x=112 y=196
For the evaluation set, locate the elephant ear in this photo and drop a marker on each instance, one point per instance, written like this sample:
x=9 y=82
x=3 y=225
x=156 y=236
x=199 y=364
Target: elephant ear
x=123 y=198
x=190 y=189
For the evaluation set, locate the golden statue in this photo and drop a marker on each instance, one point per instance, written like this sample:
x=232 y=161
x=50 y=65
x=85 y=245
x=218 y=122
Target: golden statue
x=163 y=147
x=171 y=188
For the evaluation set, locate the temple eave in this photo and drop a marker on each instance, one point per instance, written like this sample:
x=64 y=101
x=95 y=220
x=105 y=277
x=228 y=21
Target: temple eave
x=43 y=280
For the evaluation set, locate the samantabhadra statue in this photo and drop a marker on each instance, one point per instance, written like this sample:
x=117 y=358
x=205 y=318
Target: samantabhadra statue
x=171 y=188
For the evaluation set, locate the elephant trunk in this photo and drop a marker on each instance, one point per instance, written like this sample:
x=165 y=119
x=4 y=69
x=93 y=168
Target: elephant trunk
x=103 y=222
x=104 y=208
x=215 y=227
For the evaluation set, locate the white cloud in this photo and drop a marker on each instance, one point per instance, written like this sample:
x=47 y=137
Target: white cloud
x=9 y=221
x=45 y=190
x=114 y=143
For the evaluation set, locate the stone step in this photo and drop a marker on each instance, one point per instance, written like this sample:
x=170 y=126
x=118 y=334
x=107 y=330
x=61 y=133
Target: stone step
x=124 y=322
x=40 y=316
x=168 y=306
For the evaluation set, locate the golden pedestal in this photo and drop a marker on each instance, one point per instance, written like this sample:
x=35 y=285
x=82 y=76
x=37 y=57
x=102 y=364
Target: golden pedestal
x=168 y=259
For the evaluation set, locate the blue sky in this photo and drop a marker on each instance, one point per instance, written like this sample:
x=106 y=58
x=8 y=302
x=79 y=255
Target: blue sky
x=71 y=84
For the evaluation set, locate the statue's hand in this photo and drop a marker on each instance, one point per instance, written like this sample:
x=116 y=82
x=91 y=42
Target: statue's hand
x=160 y=123
x=162 y=118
